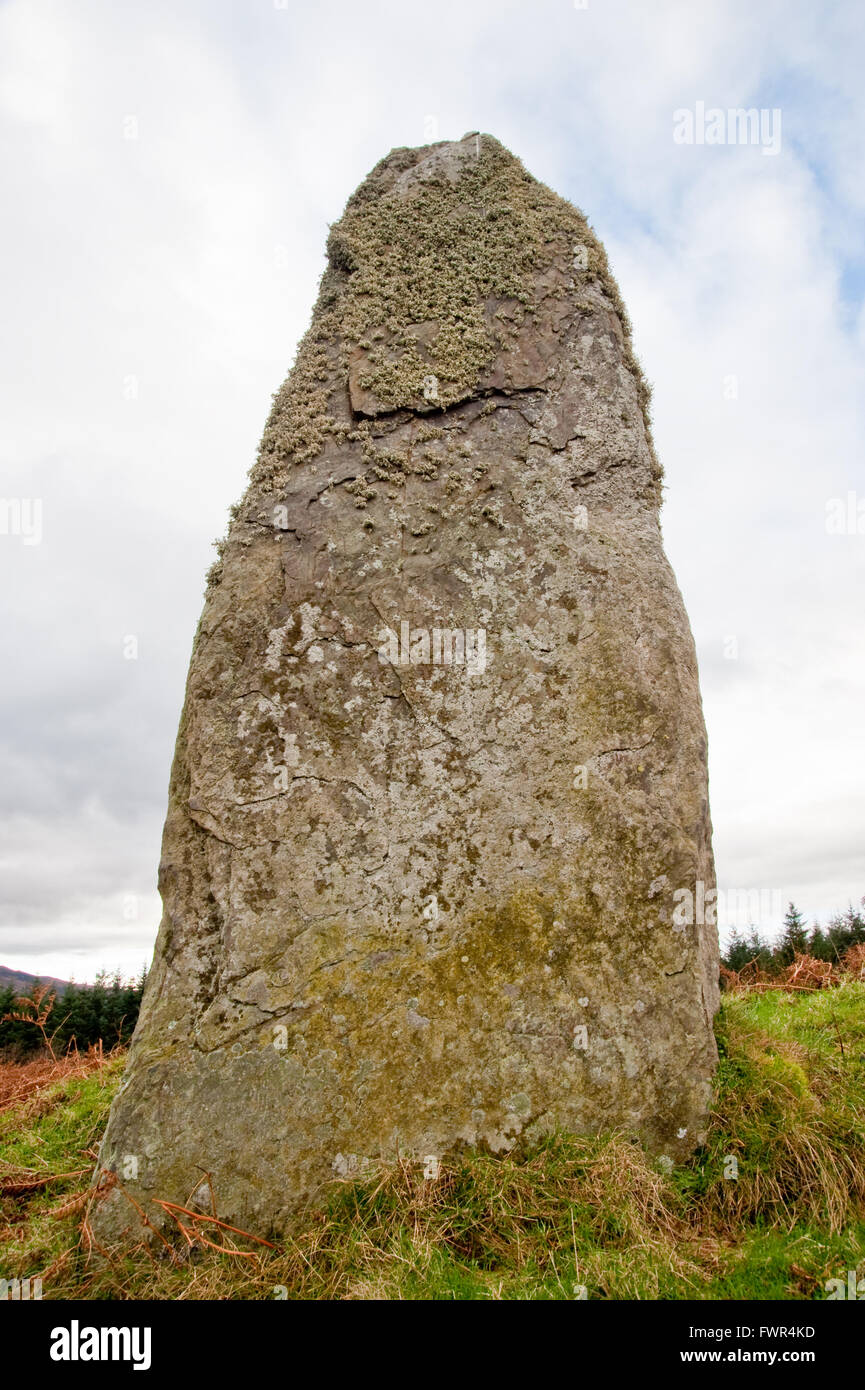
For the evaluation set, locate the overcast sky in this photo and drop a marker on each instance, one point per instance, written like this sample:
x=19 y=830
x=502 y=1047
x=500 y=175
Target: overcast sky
x=169 y=170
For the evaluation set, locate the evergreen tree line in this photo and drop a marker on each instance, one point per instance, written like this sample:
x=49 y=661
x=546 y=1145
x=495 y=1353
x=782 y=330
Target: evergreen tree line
x=844 y=930
x=82 y=1016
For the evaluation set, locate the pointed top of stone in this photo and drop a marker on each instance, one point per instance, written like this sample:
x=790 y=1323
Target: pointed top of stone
x=443 y=279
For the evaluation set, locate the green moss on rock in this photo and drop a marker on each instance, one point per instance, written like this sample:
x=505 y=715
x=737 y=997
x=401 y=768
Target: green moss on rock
x=413 y=272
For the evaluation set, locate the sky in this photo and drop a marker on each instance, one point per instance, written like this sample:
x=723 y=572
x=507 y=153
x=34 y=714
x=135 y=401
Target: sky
x=169 y=172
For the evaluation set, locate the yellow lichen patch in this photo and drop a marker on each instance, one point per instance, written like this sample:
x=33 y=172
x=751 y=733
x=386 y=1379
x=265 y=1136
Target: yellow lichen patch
x=413 y=270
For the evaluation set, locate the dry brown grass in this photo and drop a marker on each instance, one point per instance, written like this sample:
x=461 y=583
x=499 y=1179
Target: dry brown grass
x=854 y=962
x=805 y=974
x=589 y=1211
x=29 y=1083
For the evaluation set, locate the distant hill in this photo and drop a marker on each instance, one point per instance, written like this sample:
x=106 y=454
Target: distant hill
x=23 y=983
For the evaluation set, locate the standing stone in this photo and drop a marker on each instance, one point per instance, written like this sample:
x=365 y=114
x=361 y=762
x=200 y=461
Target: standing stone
x=437 y=867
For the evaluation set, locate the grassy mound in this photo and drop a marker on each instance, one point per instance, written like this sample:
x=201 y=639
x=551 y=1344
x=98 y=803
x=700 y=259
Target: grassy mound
x=772 y=1207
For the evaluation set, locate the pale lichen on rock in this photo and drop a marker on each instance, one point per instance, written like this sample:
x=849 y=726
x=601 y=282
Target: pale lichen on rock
x=413 y=905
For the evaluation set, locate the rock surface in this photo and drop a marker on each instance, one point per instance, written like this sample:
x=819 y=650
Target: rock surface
x=440 y=784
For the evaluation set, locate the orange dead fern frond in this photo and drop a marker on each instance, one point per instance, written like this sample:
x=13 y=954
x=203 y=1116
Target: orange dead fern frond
x=23 y=1082
x=805 y=975
x=853 y=961
x=194 y=1235
x=107 y=1182
x=80 y=1199
x=808 y=973
x=749 y=977
x=19 y=1182
x=36 y=1008
x=188 y=1222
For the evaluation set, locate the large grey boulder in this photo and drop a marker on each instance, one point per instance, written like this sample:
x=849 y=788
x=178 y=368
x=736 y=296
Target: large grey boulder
x=437 y=867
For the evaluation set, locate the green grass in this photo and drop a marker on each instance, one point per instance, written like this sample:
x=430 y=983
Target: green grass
x=51 y=1136
x=575 y=1213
